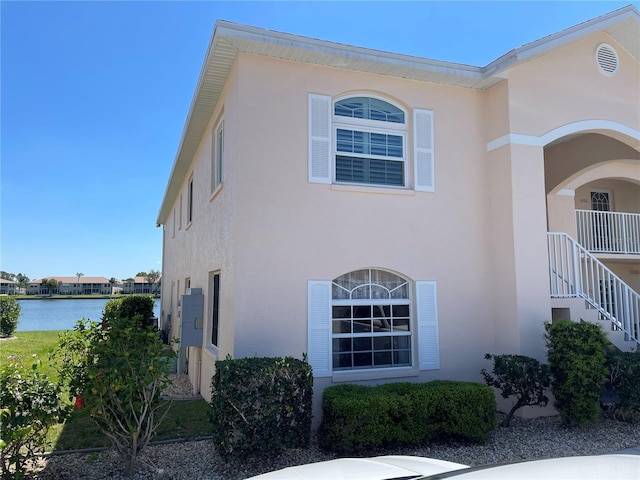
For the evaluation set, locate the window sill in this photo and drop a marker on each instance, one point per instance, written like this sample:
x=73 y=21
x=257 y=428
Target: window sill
x=374 y=374
x=212 y=350
x=215 y=192
x=369 y=189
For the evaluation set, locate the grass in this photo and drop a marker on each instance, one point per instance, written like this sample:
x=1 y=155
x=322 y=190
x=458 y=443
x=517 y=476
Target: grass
x=26 y=344
x=185 y=419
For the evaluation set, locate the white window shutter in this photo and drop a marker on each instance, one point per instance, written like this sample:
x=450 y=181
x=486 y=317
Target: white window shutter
x=427 y=312
x=319 y=138
x=319 y=325
x=423 y=150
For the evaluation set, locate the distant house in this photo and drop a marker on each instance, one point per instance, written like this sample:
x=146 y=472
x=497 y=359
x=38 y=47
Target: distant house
x=8 y=287
x=71 y=286
x=395 y=218
x=140 y=285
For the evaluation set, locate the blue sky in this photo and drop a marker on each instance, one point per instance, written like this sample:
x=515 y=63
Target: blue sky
x=94 y=95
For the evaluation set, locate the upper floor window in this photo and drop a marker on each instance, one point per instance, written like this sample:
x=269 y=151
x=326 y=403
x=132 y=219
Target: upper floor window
x=217 y=156
x=190 y=201
x=369 y=109
x=370 y=138
x=364 y=140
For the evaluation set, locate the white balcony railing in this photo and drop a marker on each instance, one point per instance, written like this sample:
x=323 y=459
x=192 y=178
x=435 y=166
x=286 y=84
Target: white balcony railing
x=575 y=273
x=608 y=232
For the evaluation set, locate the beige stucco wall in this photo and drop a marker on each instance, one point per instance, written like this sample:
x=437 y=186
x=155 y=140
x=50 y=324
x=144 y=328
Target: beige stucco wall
x=291 y=231
x=565 y=86
x=480 y=235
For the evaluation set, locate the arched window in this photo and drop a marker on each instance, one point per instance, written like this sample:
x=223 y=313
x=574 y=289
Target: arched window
x=369 y=109
x=370 y=142
x=371 y=320
x=363 y=140
x=366 y=322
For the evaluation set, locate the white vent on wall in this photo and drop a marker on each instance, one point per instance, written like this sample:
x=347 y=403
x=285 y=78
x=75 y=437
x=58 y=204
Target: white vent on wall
x=606 y=59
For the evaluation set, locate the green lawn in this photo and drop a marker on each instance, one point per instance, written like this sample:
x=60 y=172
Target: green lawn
x=185 y=419
x=27 y=344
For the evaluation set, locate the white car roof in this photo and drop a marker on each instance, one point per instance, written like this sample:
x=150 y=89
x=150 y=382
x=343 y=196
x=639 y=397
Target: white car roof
x=595 y=467
x=374 y=468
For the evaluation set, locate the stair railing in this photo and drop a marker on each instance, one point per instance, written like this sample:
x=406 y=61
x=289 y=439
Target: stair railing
x=576 y=273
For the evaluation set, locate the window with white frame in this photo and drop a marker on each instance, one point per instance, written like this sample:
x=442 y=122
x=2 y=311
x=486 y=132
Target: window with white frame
x=190 y=200
x=370 y=140
x=217 y=156
x=363 y=140
x=370 y=321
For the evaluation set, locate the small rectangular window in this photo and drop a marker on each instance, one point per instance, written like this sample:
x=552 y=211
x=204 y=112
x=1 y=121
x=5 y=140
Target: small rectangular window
x=190 y=201
x=370 y=157
x=217 y=156
x=214 y=288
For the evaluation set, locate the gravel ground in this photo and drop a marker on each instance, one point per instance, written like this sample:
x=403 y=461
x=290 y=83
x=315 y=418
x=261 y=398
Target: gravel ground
x=197 y=460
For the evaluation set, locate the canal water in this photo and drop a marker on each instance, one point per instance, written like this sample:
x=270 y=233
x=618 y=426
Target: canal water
x=61 y=314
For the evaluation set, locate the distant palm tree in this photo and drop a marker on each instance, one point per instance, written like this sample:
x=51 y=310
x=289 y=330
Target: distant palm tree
x=112 y=282
x=78 y=291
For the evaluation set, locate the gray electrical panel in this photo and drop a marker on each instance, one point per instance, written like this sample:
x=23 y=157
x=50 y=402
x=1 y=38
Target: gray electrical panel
x=191 y=315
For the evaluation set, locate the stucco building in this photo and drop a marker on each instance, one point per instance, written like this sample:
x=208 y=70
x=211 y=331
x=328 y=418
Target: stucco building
x=78 y=285
x=390 y=216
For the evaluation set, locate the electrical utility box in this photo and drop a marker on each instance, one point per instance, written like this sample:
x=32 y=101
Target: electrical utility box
x=191 y=316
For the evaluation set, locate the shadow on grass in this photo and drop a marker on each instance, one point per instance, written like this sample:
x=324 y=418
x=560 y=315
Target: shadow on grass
x=185 y=419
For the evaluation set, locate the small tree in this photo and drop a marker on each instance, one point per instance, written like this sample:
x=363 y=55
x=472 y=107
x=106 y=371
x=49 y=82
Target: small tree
x=23 y=281
x=153 y=279
x=576 y=353
x=519 y=376
x=50 y=285
x=131 y=306
x=112 y=282
x=120 y=368
x=29 y=405
x=9 y=313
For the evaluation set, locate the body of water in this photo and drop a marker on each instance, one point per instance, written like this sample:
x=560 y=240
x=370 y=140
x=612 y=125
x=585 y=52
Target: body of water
x=61 y=314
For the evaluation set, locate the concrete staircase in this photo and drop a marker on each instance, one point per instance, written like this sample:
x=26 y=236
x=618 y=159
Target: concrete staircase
x=583 y=288
x=578 y=309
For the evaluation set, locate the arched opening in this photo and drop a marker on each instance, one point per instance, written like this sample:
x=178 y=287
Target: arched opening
x=592 y=183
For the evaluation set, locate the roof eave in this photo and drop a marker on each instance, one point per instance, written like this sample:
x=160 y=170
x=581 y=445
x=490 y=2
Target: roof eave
x=229 y=39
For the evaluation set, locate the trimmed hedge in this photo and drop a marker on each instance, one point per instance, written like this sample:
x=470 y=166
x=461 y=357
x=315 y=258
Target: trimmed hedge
x=357 y=417
x=576 y=354
x=139 y=307
x=624 y=381
x=261 y=405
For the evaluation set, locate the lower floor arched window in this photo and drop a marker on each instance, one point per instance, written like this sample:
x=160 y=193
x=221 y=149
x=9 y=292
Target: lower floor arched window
x=371 y=320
